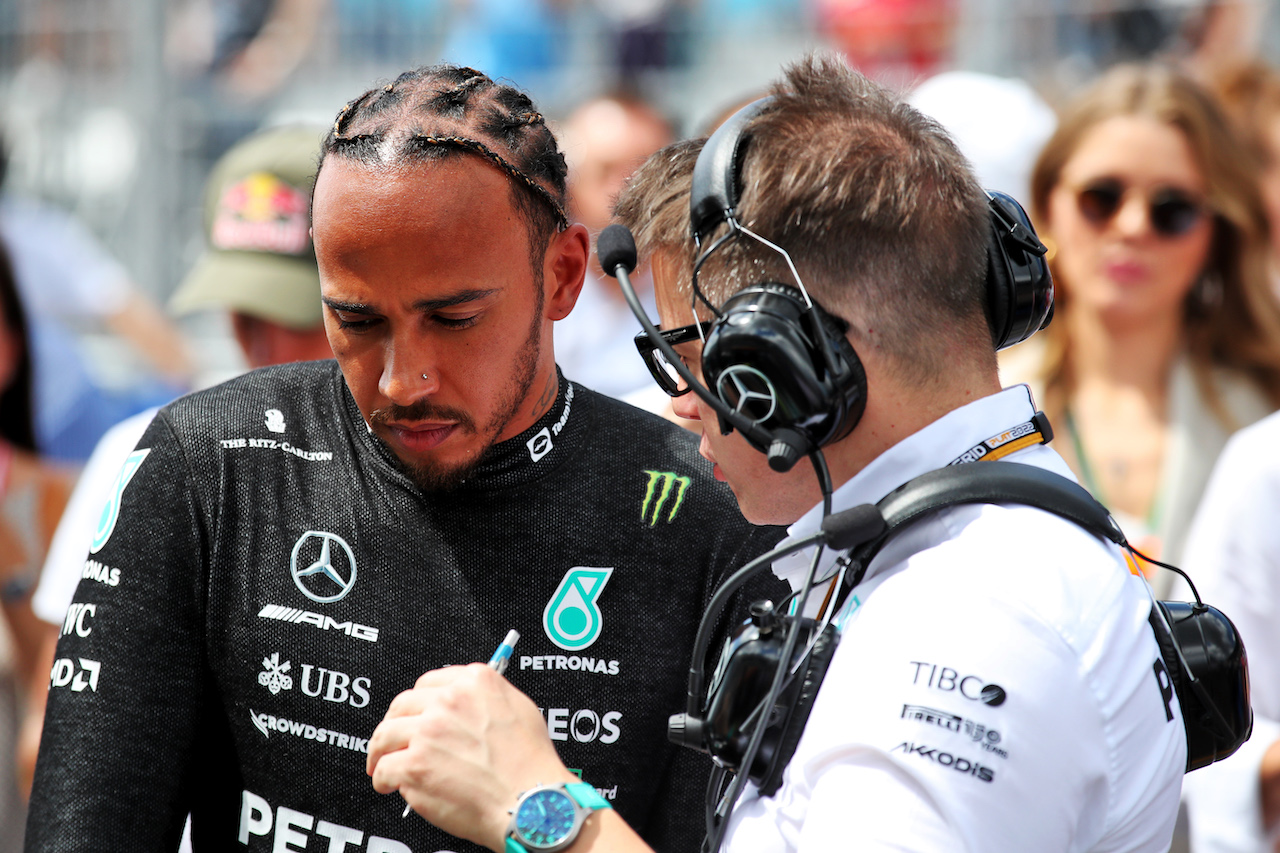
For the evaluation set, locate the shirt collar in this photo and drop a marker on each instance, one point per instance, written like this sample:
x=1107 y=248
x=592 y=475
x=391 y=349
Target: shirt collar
x=931 y=448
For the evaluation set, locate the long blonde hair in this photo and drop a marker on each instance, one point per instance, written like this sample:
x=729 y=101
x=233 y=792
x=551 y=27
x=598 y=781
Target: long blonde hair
x=1241 y=330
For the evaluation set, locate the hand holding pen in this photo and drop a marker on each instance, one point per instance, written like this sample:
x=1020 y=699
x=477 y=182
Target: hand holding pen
x=498 y=663
x=461 y=745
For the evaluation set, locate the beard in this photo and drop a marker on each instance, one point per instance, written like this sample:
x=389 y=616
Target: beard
x=434 y=476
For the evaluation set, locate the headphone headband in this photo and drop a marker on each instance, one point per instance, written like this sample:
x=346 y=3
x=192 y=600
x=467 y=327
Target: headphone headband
x=714 y=195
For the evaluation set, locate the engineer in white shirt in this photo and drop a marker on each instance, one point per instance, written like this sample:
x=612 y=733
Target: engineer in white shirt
x=996 y=684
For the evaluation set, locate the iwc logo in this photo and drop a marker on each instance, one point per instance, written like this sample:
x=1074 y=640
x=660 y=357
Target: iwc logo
x=571 y=619
x=748 y=392
x=323 y=572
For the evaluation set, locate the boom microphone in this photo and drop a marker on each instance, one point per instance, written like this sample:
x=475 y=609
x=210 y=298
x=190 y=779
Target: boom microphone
x=616 y=249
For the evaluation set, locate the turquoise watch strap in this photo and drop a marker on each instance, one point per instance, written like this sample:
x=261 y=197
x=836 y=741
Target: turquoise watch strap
x=585 y=795
x=585 y=800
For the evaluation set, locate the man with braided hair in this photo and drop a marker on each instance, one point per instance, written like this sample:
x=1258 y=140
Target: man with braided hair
x=286 y=553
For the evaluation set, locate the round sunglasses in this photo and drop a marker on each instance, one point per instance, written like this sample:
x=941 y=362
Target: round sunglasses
x=1172 y=212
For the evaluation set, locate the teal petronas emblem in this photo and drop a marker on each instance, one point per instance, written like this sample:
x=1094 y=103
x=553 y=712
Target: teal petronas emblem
x=572 y=620
x=111 y=512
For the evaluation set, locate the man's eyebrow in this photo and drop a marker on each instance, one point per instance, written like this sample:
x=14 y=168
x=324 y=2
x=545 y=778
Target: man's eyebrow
x=349 y=307
x=459 y=298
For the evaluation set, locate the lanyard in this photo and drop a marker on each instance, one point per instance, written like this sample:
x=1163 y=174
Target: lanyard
x=1035 y=431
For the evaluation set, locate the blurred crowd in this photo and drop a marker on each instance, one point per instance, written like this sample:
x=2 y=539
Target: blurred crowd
x=153 y=244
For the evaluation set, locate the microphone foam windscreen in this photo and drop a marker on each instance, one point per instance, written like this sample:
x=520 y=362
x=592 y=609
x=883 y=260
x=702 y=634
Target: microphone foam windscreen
x=616 y=248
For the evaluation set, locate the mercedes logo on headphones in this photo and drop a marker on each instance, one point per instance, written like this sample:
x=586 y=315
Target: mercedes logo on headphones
x=336 y=571
x=748 y=392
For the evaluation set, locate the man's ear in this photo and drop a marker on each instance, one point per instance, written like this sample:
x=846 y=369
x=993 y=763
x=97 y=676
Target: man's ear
x=564 y=269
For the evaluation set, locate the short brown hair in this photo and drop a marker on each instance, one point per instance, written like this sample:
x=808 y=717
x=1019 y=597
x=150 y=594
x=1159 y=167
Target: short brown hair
x=654 y=205
x=877 y=207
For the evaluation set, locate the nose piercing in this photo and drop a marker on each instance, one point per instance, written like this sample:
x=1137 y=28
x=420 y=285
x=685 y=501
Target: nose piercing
x=424 y=376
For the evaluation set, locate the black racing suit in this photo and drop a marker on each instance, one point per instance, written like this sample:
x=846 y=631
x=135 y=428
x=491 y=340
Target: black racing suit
x=266 y=580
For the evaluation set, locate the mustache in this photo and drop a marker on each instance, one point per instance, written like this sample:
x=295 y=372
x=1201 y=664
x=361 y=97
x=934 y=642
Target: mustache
x=423 y=410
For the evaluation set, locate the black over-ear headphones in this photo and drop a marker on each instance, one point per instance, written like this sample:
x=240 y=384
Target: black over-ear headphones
x=1201 y=655
x=774 y=356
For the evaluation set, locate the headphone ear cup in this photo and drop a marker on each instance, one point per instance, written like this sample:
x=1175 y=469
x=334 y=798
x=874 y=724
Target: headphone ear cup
x=1019 y=287
x=780 y=745
x=772 y=360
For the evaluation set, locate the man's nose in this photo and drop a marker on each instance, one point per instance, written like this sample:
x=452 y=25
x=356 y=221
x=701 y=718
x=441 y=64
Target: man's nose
x=409 y=373
x=686 y=406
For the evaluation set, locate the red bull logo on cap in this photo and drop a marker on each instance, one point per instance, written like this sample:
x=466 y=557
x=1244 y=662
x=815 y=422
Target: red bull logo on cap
x=261 y=213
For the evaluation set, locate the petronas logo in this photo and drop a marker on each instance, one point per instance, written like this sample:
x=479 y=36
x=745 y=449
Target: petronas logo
x=572 y=620
x=658 y=492
x=111 y=512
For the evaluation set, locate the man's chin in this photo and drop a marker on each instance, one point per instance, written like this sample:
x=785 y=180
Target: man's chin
x=434 y=476
x=432 y=473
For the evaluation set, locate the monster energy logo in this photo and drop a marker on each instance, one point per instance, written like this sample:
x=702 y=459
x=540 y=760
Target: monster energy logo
x=668 y=480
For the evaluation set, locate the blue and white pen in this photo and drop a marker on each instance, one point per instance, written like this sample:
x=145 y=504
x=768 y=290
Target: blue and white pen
x=502 y=656
x=498 y=662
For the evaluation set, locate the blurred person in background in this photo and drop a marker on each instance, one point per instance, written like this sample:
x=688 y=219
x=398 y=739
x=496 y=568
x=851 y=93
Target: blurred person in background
x=1167 y=334
x=1233 y=552
x=69 y=284
x=259 y=266
x=605 y=139
x=1233 y=556
x=32 y=496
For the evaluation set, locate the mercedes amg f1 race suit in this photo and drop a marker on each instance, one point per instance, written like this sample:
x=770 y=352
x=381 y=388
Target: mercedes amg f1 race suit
x=265 y=579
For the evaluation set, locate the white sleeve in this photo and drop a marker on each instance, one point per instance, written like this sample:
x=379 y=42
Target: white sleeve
x=65 y=562
x=1233 y=557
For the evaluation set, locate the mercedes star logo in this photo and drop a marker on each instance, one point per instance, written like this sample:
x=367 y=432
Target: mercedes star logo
x=334 y=586
x=748 y=392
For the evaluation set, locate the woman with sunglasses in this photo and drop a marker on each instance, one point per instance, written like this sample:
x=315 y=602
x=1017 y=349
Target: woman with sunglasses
x=1167 y=335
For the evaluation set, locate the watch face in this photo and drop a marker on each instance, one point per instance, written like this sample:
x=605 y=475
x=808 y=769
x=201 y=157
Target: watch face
x=545 y=819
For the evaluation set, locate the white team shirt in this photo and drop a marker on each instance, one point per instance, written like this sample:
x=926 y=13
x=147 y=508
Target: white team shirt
x=994 y=688
x=1233 y=556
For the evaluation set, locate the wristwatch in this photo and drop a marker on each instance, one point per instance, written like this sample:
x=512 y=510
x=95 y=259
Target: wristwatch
x=547 y=818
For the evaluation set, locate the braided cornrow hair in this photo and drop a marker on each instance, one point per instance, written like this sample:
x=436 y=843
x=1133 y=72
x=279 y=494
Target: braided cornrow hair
x=439 y=110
